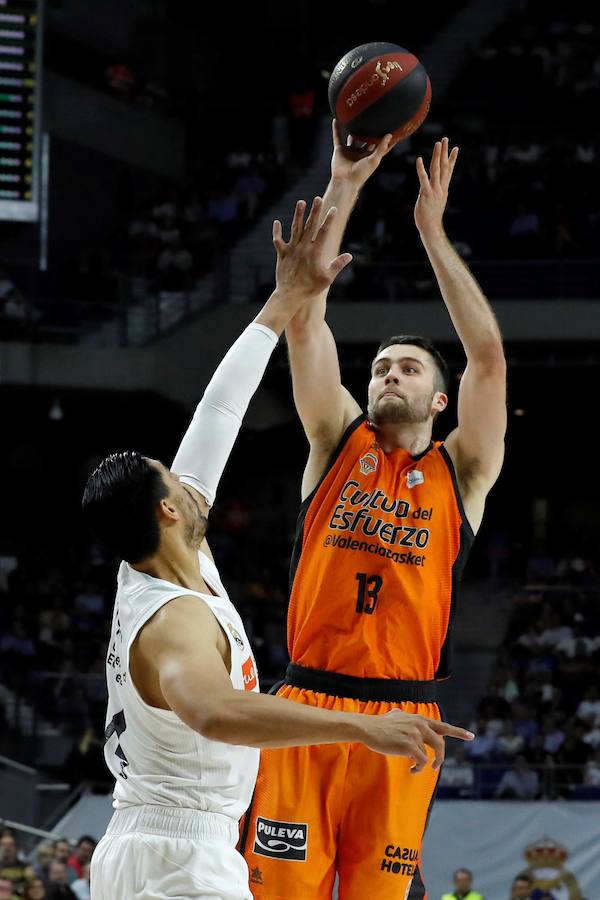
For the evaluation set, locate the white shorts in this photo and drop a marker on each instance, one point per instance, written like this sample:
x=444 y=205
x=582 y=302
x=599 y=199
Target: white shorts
x=155 y=852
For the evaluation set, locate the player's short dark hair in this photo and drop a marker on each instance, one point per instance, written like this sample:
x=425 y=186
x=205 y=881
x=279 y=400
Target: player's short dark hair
x=523 y=876
x=441 y=367
x=120 y=500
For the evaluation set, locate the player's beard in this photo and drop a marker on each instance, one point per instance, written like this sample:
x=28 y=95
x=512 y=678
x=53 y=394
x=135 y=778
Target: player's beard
x=196 y=523
x=400 y=411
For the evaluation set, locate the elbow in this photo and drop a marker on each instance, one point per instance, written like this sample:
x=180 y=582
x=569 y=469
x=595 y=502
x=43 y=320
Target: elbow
x=490 y=358
x=208 y=723
x=215 y=725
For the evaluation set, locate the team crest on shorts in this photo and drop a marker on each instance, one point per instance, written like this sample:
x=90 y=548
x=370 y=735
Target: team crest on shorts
x=281 y=840
x=236 y=635
x=414 y=478
x=368 y=464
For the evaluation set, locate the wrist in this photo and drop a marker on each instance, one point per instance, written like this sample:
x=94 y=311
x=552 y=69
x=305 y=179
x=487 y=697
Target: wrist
x=343 y=188
x=357 y=727
x=432 y=235
x=277 y=311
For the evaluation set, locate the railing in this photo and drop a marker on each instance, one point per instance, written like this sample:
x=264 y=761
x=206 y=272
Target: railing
x=136 y=317
x=482 y=780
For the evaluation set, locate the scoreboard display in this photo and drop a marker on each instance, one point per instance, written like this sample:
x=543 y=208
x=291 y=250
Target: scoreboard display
x=20 y=82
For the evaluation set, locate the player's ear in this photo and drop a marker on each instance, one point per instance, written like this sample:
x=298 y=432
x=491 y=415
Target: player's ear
x=440 y=402
x=167 y=513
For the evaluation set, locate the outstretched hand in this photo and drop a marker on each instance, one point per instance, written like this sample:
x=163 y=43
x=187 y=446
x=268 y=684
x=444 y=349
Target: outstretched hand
x=302 y=268
x=433 y=193
x=349 y=163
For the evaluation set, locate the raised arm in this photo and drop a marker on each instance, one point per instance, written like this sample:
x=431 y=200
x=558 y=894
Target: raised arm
x=477 y=444
x=325 y=407
x=181 y=644
x=303 y=271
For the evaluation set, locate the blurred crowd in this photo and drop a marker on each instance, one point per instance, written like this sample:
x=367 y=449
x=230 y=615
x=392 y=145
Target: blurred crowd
x=58 y=870
x=538 y=723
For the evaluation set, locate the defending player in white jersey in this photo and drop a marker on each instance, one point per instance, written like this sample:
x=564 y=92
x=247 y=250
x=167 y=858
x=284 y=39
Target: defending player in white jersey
x=185 y=718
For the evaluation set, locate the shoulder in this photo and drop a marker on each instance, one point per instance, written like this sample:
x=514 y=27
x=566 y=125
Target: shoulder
x=179 y=622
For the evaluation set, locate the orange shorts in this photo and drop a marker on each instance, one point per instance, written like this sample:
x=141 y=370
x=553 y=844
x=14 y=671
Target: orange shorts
x=339 y=808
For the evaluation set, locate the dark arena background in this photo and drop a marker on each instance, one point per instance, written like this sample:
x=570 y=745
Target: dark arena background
x=145 y=148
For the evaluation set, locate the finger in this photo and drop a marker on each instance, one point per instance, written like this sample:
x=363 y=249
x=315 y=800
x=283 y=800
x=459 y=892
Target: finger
x=436 y=742
x=277 y=239
x=336 y=133
x=297 y=222
x=422 y=176
x=339 y=263
x=322 y=232
x=452 y=162
x=310 y=226
x=450 y=730
x=384 y=146
x=420 y=760
x=434 y=168
x=349 y=141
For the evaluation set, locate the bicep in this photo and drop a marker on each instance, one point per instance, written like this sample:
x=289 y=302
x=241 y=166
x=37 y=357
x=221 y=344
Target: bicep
x=478 y=441
x=191 y=671
x=325 y=407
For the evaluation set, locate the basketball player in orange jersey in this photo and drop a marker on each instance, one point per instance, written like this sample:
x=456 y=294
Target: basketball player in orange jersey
x=387 y=519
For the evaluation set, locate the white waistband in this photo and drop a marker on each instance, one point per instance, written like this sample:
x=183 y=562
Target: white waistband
x=173 y=821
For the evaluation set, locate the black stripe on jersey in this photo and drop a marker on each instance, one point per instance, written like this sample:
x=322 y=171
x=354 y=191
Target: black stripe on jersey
x=467 y=537
x=299 y=539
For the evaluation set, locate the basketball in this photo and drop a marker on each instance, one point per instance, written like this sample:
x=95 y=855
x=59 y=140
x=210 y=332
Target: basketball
x=377 y=89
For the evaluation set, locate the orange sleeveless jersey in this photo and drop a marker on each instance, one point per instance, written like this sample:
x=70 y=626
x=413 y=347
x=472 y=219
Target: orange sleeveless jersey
x=378 y=558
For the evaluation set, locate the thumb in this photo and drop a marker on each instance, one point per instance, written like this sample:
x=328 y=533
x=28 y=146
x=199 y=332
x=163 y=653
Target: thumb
x=339 y=263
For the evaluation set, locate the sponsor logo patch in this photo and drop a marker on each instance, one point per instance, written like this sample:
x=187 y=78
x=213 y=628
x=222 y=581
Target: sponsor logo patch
x=414 y=478
x=281 y=840
x=400 y=861
x=249 y=673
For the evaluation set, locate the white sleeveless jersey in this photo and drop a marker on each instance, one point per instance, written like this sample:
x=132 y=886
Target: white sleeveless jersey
x=154 y=756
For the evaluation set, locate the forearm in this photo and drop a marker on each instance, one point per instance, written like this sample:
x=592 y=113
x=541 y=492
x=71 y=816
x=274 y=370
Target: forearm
x=208 y=442
x=343 y=195
x=471 y=314
x=263 y=720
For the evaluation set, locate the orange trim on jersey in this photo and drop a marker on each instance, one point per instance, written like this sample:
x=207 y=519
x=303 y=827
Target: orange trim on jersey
x=381 y=544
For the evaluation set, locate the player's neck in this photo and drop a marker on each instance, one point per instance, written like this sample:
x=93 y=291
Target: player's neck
x=177 y=563
x=414 y=438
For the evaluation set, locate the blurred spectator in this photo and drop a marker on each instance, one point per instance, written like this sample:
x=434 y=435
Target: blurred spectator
x=83 y=853
x=520 y=782
x=484 y=743
x=85 y=761
x=508 y=742
x=35 y=890
x=81 y=887
x=7 y=890
x=44 y=855
x=589 y=708
x=463 y=887
x=457 y=772
x=12 y=865
x=522 y=887
x=592 y=770
x=57 y=887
